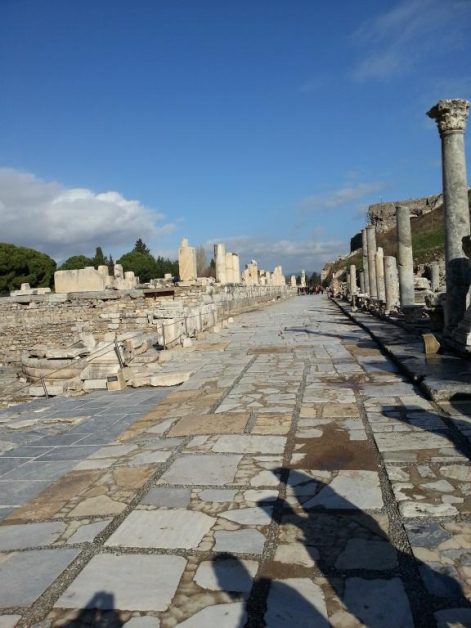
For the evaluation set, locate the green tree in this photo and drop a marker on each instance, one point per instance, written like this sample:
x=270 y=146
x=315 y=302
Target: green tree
x=110 y=263
x=212 y=268
x=315 y=279
x=140 y=247
x=143 y=265
x=76 y=262
x=23 y=265
x=166 y=265
x=99 y=259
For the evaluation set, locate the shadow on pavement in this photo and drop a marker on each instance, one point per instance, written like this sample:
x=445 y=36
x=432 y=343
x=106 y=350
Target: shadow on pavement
x=369 y=575
x=100 y=613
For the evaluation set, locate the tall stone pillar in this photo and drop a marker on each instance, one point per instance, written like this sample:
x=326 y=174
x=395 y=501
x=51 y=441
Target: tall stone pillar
x=405 y=260
x=353 y=280
x=303 y=279
x=391 y=282
x=380 y=288
x=293 y=281
x=451 y=116
x=371 y=244
x=220 y=260
x=235 y=268
x=187 y=261
x=364 y=239
x=435 y=276
x=362 y=281
x=229 y=268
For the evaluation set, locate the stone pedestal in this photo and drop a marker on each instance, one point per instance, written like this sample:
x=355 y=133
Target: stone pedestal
x=391 y=283
x=187 y=261
x=405 y=260
x=451 y=116
x=371 y=244
x=220 y=261
x=293 y=281
x=379 y=263
x=364 y=239
x=435 y=276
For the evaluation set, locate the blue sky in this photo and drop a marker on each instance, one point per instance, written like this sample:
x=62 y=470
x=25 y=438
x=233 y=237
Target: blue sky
x=267 y=124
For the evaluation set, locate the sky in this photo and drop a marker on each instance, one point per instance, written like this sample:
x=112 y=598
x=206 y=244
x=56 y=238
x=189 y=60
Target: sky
x=269 y=125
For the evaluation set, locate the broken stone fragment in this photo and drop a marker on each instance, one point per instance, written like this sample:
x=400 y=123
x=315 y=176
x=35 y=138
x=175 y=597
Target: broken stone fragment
x=170 y=379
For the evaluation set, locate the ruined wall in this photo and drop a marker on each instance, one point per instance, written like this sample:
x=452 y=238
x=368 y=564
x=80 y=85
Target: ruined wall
x=56 y=320
x=383 y=215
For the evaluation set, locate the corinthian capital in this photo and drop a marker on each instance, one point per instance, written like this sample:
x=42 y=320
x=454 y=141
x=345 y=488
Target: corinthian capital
x=450 y=115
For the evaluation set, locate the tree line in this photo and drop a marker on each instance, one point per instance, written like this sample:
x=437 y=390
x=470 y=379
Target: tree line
x=20 y=264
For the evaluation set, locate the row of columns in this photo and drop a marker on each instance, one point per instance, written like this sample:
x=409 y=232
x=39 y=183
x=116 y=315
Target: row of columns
x=392 y=282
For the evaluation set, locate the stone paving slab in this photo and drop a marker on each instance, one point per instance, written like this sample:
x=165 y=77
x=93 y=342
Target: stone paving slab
x=297 y=478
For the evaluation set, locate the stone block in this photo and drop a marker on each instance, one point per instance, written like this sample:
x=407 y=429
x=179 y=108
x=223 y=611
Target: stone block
x=116 y=382
x=170 y=379
x=95 y=384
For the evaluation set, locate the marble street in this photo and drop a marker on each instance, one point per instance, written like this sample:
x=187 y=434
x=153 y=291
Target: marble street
x=296 y=479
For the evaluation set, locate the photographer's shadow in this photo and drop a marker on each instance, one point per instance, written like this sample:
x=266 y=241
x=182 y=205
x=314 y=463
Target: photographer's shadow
x=347 y=547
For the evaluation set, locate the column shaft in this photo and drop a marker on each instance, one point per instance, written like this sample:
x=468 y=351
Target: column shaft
x=371 y=243
x=405 y=259
x=364 y=239
x=379 y=261
x=391 y=281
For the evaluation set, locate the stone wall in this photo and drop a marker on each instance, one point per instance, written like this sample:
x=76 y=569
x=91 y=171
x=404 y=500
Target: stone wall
x=56 y=320
x=383 y=215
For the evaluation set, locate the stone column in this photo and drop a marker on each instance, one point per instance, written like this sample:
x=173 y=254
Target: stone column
x=364 y=239
x=362 y=281
x=353 y=280
x=235 y=268
x=220 y=259
x=405 y=260
x=229 y=268
x=435 y=276
x=380 y=288
x=451 y=116
x=293 y=281
x=187 y=261
x=303 y=279
x=391 y=282
x=371 y=244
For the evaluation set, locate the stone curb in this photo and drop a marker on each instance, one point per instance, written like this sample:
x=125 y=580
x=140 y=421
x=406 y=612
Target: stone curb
x=440 y=377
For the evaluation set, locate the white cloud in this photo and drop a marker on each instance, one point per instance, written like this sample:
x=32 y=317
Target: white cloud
x=400 y=39
x=67 y=221
x=294 y=255
x=340 y=197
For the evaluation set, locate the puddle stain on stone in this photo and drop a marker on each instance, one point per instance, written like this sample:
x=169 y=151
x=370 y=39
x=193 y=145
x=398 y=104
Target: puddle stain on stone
x=333 y=451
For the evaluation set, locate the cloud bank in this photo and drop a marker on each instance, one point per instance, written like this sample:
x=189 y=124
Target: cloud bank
x=65 y=221
x=309 y=254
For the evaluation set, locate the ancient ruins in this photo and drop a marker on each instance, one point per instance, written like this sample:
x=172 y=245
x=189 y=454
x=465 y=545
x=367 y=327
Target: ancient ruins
x=98 y=331
x=219 y=451
x=438 y=297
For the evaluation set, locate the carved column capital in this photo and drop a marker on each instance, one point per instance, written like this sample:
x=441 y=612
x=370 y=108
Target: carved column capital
x=450 y=115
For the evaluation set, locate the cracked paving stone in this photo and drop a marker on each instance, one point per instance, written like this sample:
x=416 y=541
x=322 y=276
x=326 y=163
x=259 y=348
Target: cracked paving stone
x=136 y=582
x=227 y=615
